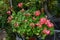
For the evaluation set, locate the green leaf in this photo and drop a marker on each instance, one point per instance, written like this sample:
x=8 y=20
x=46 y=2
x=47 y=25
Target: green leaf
x=43 y=37
x=13 y=13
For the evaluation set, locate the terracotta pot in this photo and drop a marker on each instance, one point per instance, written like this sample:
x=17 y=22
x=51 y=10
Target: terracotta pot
x=32 y=38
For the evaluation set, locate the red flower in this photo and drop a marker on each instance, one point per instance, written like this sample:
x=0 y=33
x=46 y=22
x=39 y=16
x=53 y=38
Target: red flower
x=37 y=24
x=49 y=24
x=45 y=31
x=9 y=12
x=48 y=32
x=40 y=26
x=43 y=20
x=20 y=5
x=37 y=13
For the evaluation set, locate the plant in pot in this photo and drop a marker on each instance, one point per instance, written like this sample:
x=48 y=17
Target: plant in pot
x=30 y=23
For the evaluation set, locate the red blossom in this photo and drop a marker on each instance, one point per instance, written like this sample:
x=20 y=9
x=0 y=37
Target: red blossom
x=20 y=5
x=37 y=13
x=9 y=12
x=40 y=26
x=45 y=31
x=37 y=24
x=49 y=24
x=48 y=32
x=43 y=20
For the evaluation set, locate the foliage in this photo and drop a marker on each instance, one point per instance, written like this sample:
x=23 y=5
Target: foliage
x=53 y=6
x=27 y=22
x=25 y=18
x=4 y=7
x=27 y=4
x=3 y=15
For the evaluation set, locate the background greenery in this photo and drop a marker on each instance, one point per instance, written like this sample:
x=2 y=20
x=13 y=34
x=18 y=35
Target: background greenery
x=54 y=7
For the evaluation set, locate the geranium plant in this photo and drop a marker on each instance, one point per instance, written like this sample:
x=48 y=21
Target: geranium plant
x=30 y=22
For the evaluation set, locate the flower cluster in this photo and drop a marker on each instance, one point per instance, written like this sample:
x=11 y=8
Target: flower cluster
x=46 y=21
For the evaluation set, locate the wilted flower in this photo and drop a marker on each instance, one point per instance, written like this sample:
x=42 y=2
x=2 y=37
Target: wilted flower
x=27 y=14
x=33 y=18
x=22 y=10
x=32 y=24
x=16 y=24
x=10 y=17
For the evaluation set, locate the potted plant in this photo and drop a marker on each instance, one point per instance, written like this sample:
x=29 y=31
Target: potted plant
x=31 y=23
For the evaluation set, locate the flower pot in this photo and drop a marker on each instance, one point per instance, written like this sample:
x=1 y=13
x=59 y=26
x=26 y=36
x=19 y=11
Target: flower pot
x=32 y=38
